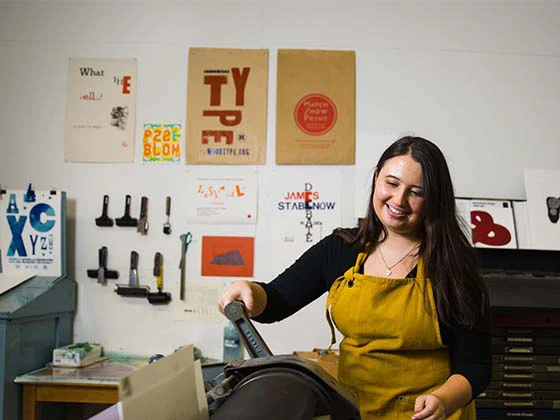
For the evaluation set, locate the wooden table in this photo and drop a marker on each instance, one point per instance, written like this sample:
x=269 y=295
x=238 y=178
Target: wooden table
x=97 y=383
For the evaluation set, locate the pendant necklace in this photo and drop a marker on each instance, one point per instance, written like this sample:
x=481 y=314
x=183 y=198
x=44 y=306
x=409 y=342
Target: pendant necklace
x=389 y=268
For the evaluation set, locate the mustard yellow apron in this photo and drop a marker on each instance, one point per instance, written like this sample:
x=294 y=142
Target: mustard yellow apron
x=392 y=350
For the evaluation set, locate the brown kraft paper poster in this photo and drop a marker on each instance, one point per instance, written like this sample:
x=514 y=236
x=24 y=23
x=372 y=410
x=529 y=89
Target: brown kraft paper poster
x=315 y=109
x=226 y=106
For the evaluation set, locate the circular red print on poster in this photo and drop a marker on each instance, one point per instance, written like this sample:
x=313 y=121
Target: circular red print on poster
x=315 y=114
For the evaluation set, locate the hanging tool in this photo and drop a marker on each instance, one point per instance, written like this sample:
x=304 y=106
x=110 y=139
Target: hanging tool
x=126 y=220
x=167 y=225
x=104 y=219
x=160 y=297
x=186 y=239
x=143 y=221
x=133 y=287
x=103 y=273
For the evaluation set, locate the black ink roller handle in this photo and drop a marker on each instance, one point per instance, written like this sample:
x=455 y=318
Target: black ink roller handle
x=252 y=341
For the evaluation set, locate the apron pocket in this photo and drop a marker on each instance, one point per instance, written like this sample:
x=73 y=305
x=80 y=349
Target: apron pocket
x=406 y=406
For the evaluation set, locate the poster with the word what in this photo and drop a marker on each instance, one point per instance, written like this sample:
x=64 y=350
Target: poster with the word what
x=100 y=110
x=161 y=143
x=227 y=196
x=226 y=106
x=315 y=107
x=489 y=223
x=302 y=209
x=31 y=233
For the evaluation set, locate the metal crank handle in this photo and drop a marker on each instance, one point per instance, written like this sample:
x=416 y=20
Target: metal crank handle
x=252 y=341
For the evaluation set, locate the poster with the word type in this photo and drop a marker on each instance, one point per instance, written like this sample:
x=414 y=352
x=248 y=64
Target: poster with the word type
x=302 y=210
x=315 y=107
x=31 y=233
x=161 y=143
x=227 y=256
x=543 y=208
x=226 y=106
x=488 y=223
x=100 y=110
x=226 y=197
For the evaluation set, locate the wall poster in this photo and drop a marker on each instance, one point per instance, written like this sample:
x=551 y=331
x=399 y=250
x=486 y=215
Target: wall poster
x=227 y=256
x=226 y=196
x=543 y=205
x=302 y=210
x=100 y=110
x=32 y=233
x=489 y=223
x=161 y=142
x=226 y=106
x=315 y=107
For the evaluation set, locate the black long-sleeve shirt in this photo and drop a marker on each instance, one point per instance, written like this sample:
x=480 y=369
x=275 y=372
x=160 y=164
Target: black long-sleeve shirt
x=316 y=270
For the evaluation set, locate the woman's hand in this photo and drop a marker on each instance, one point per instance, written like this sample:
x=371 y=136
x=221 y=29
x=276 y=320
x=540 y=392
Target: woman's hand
x=428 y=407
x=251 y=294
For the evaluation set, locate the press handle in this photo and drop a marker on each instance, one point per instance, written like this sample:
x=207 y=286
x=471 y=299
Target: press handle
x=236 y=312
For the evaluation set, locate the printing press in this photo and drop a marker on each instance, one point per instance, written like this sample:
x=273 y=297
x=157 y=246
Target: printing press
x=274 y=387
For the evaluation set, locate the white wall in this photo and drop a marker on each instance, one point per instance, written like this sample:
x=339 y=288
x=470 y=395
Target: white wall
x=481 y=78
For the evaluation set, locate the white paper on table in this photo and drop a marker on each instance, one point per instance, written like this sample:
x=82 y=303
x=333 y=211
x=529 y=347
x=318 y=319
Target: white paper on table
x=171 y=388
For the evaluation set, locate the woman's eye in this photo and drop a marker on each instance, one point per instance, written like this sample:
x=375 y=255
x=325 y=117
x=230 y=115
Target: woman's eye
x=392 y=184
x=417 y=193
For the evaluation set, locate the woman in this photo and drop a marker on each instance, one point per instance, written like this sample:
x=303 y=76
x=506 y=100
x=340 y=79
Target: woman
x=404 y=290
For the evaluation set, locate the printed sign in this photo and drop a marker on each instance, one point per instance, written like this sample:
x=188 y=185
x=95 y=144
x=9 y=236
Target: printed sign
x=161 y=143
x=303 y=210
x=543 y=208
x=227 y=256
x=222 y=199
x=31 y=233
x=315 y=111
x=489 y=223
x=226 y=106
x=100 y=110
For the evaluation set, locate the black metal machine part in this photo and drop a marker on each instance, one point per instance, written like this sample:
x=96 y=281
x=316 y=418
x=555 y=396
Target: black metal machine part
x=273 y=387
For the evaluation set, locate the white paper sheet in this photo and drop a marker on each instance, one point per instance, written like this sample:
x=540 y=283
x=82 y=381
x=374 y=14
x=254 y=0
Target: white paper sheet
x=226 y=196
x=31 y=241
x=543 y=204
x=302 y=209
x=100 y=110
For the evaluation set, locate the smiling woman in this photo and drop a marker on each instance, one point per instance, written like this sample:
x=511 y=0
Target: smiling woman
x=404 y=290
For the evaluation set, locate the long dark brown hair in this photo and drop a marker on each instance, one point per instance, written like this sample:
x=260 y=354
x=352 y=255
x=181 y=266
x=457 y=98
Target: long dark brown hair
x=449 y=260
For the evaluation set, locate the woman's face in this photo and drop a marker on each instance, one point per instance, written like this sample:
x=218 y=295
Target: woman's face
x=398 y=199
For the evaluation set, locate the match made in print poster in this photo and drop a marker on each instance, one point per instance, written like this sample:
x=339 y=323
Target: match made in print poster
x=315 y=107
x=226 y=106
x=100 y=110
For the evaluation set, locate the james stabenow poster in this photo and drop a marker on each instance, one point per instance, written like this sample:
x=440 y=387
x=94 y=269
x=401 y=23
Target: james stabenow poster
x=100 y=110
x=226 y=106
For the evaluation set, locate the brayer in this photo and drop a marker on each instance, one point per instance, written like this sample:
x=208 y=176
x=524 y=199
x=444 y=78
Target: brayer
x=160 y=297
x=133 y=287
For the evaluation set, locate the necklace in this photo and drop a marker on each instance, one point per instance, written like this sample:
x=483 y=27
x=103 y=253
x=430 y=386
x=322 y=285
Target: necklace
x=389 y=268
